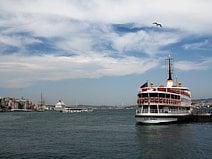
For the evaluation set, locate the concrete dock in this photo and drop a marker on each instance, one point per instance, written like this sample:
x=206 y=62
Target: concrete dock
x=201 y=117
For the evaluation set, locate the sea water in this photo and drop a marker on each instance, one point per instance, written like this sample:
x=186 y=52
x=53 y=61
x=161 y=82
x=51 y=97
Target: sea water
x=108 y=134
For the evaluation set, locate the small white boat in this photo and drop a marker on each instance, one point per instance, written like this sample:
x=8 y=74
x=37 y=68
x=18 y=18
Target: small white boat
x=75 y=110
x=59 y=106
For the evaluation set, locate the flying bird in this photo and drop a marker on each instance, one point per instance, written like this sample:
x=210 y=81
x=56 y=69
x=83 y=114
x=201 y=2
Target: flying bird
x=157 y=24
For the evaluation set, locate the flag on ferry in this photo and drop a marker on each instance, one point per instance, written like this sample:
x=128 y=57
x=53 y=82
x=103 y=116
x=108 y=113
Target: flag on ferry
x=144 y=85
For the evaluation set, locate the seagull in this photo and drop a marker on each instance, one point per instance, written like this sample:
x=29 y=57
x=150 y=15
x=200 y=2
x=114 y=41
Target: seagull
x=157 y=24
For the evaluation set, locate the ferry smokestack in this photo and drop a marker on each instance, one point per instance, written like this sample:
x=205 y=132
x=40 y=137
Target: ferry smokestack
x=169 y=80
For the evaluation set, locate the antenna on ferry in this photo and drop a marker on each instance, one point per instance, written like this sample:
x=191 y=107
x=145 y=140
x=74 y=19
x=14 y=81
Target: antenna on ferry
x=170 y=68
x=169 y=80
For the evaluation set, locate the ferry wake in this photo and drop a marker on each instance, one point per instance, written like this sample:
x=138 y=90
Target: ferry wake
x=163 y=104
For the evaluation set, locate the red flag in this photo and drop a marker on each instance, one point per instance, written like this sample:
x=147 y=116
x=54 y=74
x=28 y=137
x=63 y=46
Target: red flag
x=144 y=85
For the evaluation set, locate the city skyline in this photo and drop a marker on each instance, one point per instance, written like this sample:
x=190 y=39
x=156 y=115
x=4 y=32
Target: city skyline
x=99 y=52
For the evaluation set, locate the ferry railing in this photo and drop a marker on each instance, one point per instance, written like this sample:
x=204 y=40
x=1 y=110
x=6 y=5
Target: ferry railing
x=164 y=111
x=160 y=101
x=174 y=111
x=165 y=89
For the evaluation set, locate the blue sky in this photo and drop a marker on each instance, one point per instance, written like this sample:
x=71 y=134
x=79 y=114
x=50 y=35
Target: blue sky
x=100 y=52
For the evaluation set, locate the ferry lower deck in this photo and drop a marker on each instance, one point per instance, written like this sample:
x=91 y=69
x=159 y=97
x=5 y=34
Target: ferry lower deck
x=161 y=114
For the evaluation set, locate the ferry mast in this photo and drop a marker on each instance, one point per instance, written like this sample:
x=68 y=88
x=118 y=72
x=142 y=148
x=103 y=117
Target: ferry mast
x=170 y=80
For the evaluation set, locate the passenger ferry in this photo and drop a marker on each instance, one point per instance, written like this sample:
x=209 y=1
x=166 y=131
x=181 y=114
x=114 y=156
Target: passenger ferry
x=163 y=104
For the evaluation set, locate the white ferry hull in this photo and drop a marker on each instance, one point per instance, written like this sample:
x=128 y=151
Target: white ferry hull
x=154 y=120
x=161 y=119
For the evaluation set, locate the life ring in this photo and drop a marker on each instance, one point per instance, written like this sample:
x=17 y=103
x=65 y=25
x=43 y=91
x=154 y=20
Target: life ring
x=146 y=99
x=152 y=99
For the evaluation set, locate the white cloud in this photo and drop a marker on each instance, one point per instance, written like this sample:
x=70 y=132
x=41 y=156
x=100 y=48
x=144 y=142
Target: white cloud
x=17 y=40
x=197 y=45
x=190 y=15
x=82 y=27
x=21 y=71
x=148 y=42
x=189 y=65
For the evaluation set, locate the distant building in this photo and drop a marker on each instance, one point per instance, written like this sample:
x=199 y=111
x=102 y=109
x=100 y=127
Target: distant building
x=10 y=104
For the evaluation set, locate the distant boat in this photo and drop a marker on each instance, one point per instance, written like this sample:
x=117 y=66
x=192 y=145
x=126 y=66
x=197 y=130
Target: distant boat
x=41 y=105
x=21 y=110
x=59 y=106
x=163 y=104
x=75 y=110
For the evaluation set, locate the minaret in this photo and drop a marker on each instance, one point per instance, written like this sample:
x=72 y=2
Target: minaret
x=169 y=80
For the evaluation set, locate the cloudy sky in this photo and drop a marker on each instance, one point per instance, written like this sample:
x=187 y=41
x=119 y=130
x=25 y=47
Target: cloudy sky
x=101 y=51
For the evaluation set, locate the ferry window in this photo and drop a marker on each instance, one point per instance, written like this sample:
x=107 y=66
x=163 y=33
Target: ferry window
x=153 y=109
x=145 y=95
x=176 y=97
x=139 y=95
x=145 y=107
x=153 y=95
x=167 y=95
x=161 y=95
x=172 y=96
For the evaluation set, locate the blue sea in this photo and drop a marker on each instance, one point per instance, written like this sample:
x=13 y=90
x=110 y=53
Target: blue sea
x=105 y=134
